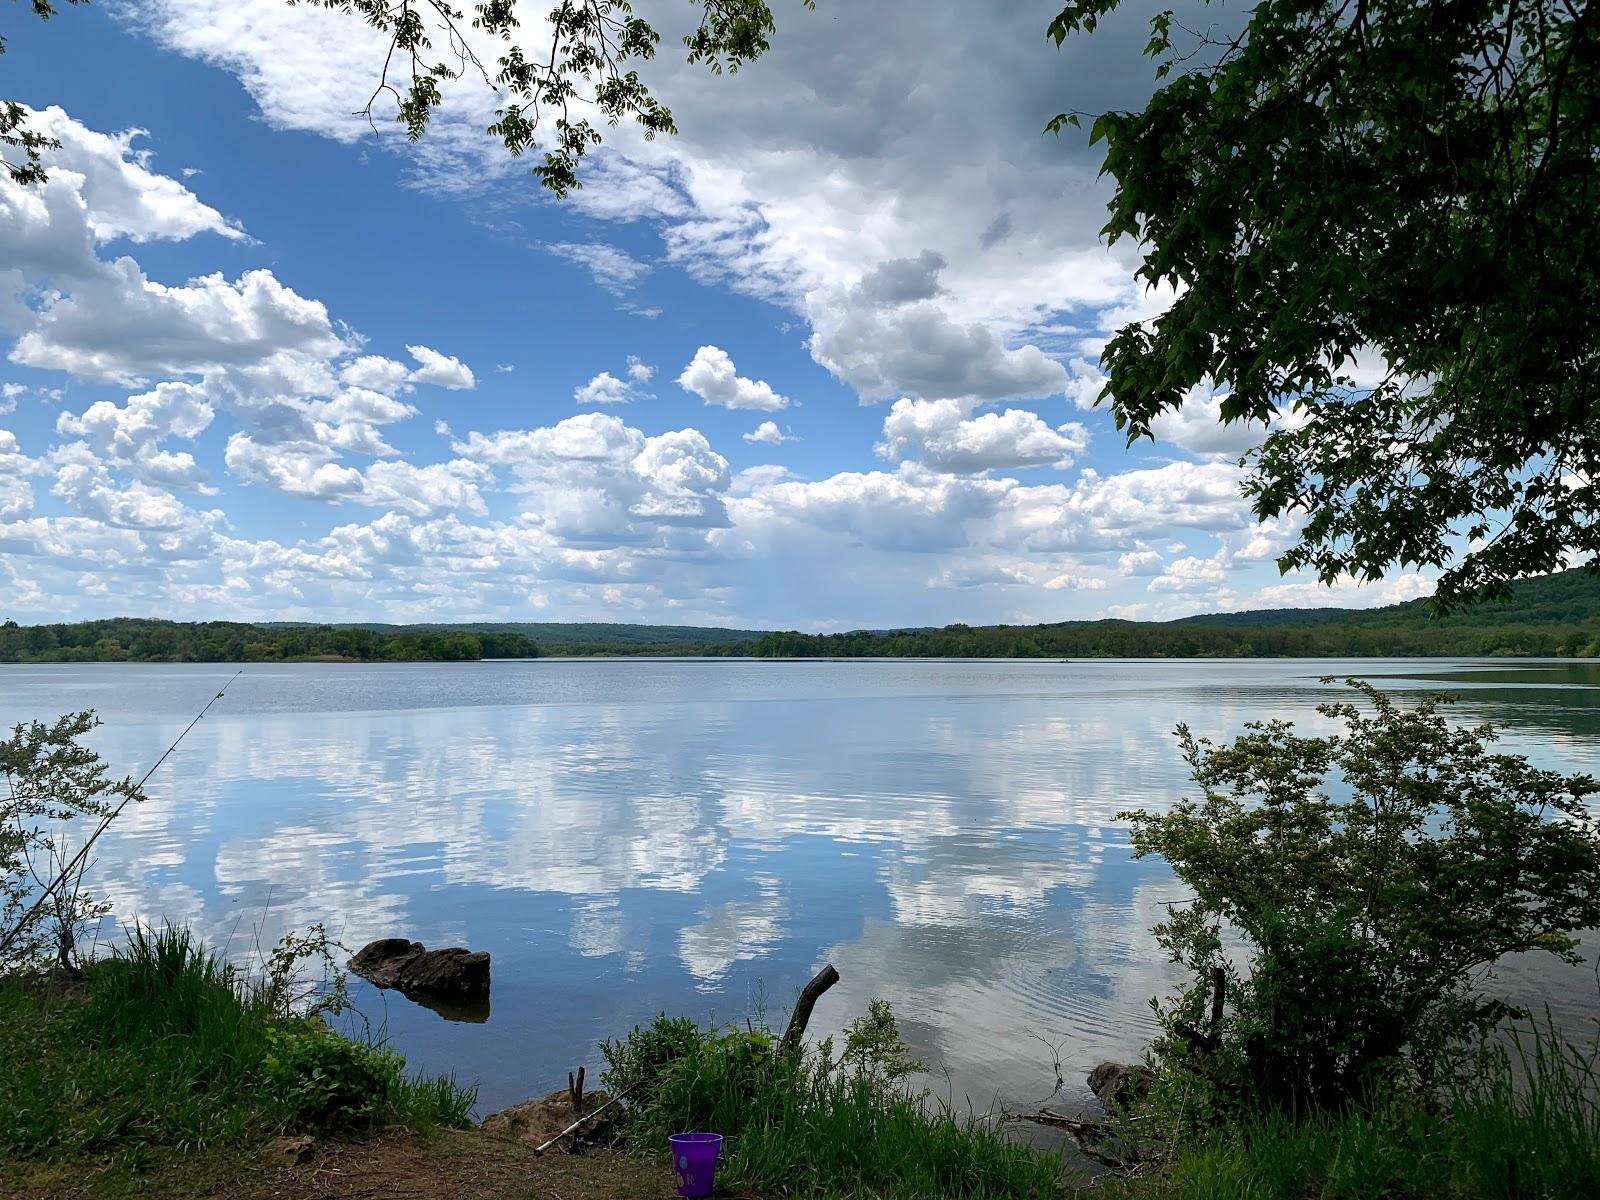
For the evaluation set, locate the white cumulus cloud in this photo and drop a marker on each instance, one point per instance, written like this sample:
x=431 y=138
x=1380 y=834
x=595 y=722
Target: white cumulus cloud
x=943 y=437
x=768 y=433
x=123 y=327
x=440 y=370
x=711 y=376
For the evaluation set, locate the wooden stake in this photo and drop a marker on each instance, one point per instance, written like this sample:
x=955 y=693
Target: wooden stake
x=575 y=1092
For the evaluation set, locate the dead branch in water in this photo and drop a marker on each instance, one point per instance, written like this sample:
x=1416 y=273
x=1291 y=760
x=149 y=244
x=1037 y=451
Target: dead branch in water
x=1087 y=1132
x=801 y=1016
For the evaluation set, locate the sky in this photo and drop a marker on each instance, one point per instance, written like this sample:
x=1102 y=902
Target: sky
x=827 y=359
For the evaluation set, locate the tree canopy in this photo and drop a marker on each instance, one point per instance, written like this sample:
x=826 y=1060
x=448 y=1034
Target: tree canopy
x=548 y=86
x=1380 y=219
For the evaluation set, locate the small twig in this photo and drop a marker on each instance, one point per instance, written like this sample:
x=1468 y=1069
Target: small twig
x=1055 y=1062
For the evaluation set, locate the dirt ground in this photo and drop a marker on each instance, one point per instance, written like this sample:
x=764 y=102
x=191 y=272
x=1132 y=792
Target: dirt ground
x=465 y=1165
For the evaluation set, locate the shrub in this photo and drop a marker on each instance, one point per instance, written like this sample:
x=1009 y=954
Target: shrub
x=1370 y=878
x=323 y=1081
x=873 y=1049
x=638 y=1062
x=52 y=784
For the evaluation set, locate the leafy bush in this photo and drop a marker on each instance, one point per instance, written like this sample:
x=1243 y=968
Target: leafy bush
x=1370 y=877
x=324 y=1081
x=53 y=784
x=873 y=1049
x=637 y=1063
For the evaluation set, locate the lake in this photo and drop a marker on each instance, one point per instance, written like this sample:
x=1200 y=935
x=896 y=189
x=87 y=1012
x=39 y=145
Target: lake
x=634 y=836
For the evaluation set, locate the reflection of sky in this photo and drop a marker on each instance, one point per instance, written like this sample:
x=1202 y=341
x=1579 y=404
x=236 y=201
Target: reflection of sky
x=631 y=837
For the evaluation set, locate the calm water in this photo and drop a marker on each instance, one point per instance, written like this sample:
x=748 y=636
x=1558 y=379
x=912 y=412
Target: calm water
x=634 y=836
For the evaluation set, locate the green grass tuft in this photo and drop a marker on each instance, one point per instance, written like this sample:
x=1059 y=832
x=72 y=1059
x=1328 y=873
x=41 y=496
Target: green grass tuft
x=164 y=1048
x=805 y=1126
x=1524 y=1125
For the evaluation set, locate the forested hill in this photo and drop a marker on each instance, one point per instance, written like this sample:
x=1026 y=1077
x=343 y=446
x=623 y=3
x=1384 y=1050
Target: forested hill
x=1571 y=596
x=1557 y=615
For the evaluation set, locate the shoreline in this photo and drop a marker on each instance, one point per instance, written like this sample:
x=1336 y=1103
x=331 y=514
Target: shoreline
x=1043 y=660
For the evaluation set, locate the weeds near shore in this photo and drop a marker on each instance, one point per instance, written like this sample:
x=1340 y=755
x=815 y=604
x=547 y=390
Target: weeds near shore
x=812 y=1124
x=164 y=1047
x=1523 y=1126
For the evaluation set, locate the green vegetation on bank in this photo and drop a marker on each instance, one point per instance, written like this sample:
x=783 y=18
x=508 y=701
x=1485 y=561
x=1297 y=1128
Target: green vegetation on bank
x=163 y=1050
x=1553 y=616
x=134 y=639
x=1523 y=1125
x=560 y=636
x=815 y=1123
x=1351 y=894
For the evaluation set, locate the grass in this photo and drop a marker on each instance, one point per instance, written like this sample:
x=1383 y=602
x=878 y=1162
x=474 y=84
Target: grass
x=1524 y=1125
x=811 y=1126
x=163 y=1049
x=812 y=1133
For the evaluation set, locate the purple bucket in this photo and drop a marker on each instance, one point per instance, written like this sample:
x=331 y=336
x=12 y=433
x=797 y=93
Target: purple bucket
x=694 y=1158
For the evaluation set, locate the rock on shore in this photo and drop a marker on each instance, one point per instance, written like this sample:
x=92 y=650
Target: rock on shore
x=1120 y=1085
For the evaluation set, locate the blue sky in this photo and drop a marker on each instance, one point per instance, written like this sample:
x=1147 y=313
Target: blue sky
x=825 y=360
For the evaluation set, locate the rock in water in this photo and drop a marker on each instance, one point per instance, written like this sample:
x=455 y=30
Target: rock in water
x=454 y=973
x=535 y=1122
x=451 y=974
x=1119 y=1085
x=381 y=961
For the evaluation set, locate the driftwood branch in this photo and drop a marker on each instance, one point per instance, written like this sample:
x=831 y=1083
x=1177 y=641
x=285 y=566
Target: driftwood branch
x=1087 y=1133
x=801 y=1016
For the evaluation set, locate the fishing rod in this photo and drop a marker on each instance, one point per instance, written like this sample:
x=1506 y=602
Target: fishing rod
x=538 y=1151
x=105 y=823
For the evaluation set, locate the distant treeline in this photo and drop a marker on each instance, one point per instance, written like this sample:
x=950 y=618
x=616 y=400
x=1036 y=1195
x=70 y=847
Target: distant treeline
x=127 y=639
x=591 y=637
x=1555 y=616
x=1128 y=639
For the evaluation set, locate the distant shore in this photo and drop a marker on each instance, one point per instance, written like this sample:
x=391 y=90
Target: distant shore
x=1556 y=616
